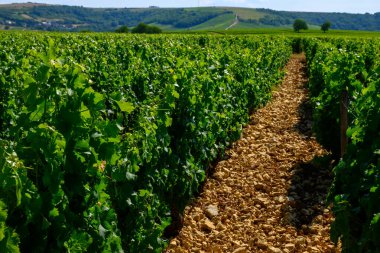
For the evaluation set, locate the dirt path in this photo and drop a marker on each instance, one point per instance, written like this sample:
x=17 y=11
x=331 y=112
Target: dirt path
x=268 y=196
x=236 y=21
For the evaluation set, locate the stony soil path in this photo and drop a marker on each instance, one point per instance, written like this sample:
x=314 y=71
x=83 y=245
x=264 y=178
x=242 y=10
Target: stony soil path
x=268 y=196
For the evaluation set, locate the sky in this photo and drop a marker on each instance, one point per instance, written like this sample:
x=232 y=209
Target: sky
x=350 y=6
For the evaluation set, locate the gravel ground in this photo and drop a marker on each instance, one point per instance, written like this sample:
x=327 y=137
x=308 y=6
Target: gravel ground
x=269 y=194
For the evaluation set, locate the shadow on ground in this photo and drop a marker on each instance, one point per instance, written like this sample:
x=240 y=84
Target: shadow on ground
x=310 y=183
x=304 y=126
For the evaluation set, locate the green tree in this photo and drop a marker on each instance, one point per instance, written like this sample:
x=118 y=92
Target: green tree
x=140 y=28
x=122 y=29
x=144 y=28
x=154 y=29
x=325 y=26
x=299 y=24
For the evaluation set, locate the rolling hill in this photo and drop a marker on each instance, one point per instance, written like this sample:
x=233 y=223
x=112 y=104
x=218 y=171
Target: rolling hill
x=36 y=16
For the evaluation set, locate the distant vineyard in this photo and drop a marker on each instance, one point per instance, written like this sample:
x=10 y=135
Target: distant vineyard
x=102 y=136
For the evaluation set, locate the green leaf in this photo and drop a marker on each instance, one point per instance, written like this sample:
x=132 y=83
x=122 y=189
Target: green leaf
x=3 y=218
x=143 y=193
x=125 y=106
x=82 y=144
x=54 y=212
x=168 y=121
x=38 y=113
x=10 y=242
x=376 y=219
x=114 y=159
x=43 y=73
x=193 y=100
x=85 y=112
x=78 y=242
x=175 y=94
x=79 y=82
x=350 y=131
x=98 y=98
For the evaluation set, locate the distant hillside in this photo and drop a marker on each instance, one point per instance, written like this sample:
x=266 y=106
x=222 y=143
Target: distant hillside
x=343 y=21
x=76 y=18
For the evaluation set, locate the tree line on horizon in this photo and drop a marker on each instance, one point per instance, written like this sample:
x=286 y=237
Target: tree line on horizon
x=75 y=18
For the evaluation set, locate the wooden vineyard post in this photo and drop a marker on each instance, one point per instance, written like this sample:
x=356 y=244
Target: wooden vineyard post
x=343 y=122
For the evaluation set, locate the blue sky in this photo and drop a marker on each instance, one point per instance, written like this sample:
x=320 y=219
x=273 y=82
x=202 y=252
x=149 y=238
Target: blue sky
x=352 y=6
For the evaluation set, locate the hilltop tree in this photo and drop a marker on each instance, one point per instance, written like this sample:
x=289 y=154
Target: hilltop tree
x=299 y=24
x=325 y=26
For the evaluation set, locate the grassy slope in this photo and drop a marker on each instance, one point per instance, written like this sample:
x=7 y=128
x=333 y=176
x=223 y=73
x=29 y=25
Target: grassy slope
x=219 y=23
x=246 y=13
